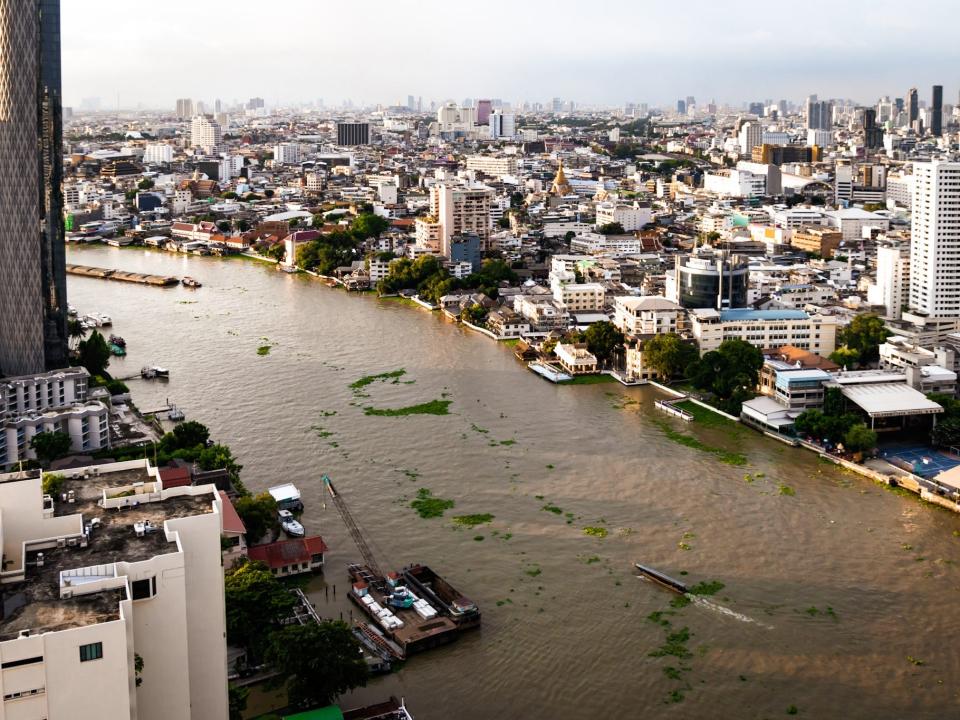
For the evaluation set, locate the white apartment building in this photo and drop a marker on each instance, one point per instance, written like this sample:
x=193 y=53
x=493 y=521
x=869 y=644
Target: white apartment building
x=112 y=572
x=892 y=288
x=158 y=153
x=649 y=315
x=631 y=217
x=493 y=165
x=579 y=297
x=797 y=296
x=86 y=422
x=35 y=393
x=819 y=138
x=751 y=135
x=852 y=222
x=595 y=243
x=935 y=239
x=502 y=125
x=764 y=329
x=575 y=358
x=428 y=234
x=206 y=134
x=735 y=183
x=286 y=154
x=461 y=210
x=900 y=189
x=543 y=312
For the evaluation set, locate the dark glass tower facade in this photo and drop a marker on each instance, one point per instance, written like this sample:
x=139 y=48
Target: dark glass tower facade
x=936 y=110
x=33 y=286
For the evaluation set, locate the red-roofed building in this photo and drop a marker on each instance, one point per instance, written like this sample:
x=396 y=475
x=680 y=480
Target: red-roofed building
x=172 y=477
x=234 y=531
x=291 y=557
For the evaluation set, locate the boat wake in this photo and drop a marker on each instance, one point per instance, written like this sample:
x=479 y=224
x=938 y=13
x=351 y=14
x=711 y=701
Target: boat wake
x=703 y=602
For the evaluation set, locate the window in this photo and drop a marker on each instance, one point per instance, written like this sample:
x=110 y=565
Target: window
x=143 y=589
x=93 y=651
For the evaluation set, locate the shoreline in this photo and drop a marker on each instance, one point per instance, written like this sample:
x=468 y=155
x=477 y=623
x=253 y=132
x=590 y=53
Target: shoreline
x=903 y=479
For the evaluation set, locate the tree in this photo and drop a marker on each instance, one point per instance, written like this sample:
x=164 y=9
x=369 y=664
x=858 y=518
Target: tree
x=219 y=456
x=238 y=696
x=256 y=603
x=864 y=335
x=50 y=445
x=730 y=372
x=145 y=184
x=669 y=355
x=859 y=438
x=317 y=662
x=833 y=402
x=603 y=339
x=259 y=515
x=191 y=434
x=368 y=225
x=613 y=228
x=476 y=314
x=845 y=357
x=94 y=353
x=946 y=433
x=75 y=331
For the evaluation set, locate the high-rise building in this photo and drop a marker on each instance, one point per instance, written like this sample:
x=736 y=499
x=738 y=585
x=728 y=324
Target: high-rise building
x=286 y=154
x=33 y=284
x=353 y=133
x=460 y=210
x=872 y=135
x=257 y=103
x=206 y=134
x=819 y=114
x=184 y=108
x=709 y=279
x=484 y=107
x=502 y=125
x=936 y=111
x=935 y=239
x=681 y=107
x=751 y=135
x=913 y=105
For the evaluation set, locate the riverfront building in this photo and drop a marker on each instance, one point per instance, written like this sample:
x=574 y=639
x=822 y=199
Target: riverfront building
x=765 y=329
x=119 y=608
x=33 y=285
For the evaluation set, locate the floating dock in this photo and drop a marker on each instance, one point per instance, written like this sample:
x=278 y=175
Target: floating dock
x=662 y=579
x=551 y=374
x=122 y=275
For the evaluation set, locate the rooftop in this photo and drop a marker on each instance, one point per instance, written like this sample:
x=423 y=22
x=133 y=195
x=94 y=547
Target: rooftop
x=890 y=400
x=742 y=314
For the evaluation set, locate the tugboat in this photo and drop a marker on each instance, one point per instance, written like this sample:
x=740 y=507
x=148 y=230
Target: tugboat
x=190 y=282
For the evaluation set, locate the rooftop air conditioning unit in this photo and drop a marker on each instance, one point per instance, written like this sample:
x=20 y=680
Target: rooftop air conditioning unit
x=39 y=559
x=24 y=633
x=61 y=542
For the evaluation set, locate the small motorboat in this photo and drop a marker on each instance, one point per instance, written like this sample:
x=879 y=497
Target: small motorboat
x=71 y=311
x=117 y=350
x=191 y=282
x=118 y=341
x=290 y=524
x=151 y=372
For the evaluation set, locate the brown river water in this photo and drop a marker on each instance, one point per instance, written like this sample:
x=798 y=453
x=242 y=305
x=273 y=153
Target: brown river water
x=839 y=597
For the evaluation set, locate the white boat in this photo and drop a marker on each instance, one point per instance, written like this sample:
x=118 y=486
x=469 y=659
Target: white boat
x=175 y=414
x=154 y=371
x=289 y=524
x=98 y=319
x=71 y=311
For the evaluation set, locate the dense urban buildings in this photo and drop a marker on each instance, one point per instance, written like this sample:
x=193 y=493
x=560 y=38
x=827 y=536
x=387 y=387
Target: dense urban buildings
x=33 y=293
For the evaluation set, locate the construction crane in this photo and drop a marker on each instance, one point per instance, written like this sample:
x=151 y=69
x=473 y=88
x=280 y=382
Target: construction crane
x=354 y=530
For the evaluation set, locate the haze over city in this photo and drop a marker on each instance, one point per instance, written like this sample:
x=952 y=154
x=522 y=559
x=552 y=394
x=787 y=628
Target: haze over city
x=605 y=52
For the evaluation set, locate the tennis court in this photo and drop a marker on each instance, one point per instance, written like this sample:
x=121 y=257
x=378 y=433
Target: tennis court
x=921 y=460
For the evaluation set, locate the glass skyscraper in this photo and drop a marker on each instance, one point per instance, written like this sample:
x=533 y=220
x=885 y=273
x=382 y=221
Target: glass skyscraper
x=33 y=292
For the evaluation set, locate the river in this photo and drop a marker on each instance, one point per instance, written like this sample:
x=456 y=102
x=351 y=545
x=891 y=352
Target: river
x=838 y=598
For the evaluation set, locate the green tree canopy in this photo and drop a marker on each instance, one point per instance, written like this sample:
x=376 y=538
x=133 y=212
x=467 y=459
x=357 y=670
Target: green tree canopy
x=191 y=433
x=845 y=357
x=613 y=228
x=256 y=602
x=730 y=373
x=94 y=353
x=603 y=339
x=859 y=438
x=317 y=662
x=368 y=225
x=946 y=433
x=50 y=445
x=669 y=355
x=864 y=335
x=259 y=515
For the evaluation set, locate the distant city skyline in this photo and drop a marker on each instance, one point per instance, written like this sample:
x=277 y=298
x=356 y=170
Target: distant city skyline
x=606 y=53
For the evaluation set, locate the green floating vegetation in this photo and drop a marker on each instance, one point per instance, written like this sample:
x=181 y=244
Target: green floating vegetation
x=915 y=661
x=263 y=350
x=472 y=521
x=707 y=587
x=675 y=645
x=478 y=538
x=533 y=571
x=705 y=417
x=508 y=442
x=680 y=601
x=724 y=456
x=327 y=413
x=553 y=509
x=593 y=531
x=320 y=431
x=792 y=710
x=434 y=407
x=411 y=474
x=428 y=506
x=477 y=429
x=550 y=467
x=786 y=490
x=380 y=377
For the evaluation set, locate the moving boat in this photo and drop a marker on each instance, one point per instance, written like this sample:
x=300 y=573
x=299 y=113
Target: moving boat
x=190 y=282
x=118 y=341
x=289 y=524
x=117 y=350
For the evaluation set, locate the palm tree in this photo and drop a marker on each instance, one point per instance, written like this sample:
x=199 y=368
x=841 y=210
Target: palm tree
x=75 y=331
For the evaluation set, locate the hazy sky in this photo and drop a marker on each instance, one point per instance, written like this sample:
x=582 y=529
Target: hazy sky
x=592 y=51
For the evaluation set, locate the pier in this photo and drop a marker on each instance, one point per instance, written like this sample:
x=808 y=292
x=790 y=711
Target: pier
x=122 y=275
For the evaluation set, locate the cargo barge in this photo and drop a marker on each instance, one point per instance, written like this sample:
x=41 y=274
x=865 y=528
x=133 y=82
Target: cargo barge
x=414 y=610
